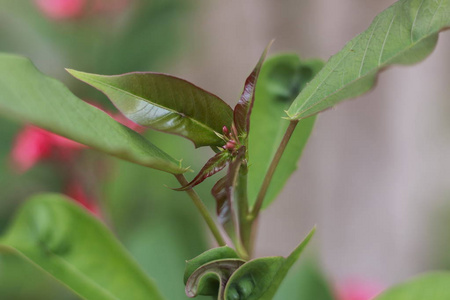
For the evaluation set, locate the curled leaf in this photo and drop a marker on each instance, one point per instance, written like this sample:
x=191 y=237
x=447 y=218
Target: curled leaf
x=259 y=279
x=243 y=109
x=206 y=257
x=165 y=103
x=212 y=166
x=209 y=286
x=211 y=278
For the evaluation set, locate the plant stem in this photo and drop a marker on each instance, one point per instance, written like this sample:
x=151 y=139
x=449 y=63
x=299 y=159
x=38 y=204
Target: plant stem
x=203 y=210
x=245 y=226
x=272 y=168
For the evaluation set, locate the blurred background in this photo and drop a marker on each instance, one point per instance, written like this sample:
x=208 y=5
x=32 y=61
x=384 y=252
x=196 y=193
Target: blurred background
x=373 y=178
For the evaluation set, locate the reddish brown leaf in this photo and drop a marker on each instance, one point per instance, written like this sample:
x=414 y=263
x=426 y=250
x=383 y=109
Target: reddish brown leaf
x=220 y=193
x=223 y=190
x=212 y=166
x=243 y=109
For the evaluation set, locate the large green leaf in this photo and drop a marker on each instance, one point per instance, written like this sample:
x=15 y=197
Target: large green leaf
x=28 y=95
x=75 y=248
x=165 y=103
x=282 y=78
x=434 y=286
x=405 y=33
x=15 y=271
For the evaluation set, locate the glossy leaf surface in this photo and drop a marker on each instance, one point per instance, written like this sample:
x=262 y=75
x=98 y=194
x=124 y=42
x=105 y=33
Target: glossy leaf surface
x=405 y=33
x=212 y=166
x=28 y=95
x=165 y=103
x=243 y=108
x=76 y=249
x=259 y=279
x=434 y=286
x=282 y=78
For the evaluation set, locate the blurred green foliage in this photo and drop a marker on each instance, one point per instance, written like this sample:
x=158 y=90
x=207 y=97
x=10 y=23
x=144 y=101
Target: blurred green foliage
x=146 y=36
x=160 y=227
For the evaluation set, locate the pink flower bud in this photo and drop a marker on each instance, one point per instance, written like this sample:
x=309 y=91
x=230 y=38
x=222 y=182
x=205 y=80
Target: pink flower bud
x=230 y=145
x=225 y=130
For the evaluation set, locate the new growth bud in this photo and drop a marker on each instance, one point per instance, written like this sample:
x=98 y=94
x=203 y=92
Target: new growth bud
x=225 y=130
x=230 y=145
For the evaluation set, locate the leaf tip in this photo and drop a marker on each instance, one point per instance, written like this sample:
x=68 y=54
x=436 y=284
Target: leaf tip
x=77 y=74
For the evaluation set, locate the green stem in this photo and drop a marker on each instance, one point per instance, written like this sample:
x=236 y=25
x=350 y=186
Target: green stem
x=243 y=210
x=271 y=171
x=203 y=210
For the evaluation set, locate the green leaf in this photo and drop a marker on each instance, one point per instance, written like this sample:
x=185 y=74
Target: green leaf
x=165 y=103
x=405 y=33
x=75 y=248
x=211 y=278
x=259 y=279
x=243 y=109
x=434 y=286
x=205 y=273
x=224 y=252
x=28 y=95
x=15 y=271
x=282 y=78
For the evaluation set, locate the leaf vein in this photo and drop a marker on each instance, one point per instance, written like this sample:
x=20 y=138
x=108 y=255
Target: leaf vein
x=385 y=39
x=415 y=19
x=367 y=47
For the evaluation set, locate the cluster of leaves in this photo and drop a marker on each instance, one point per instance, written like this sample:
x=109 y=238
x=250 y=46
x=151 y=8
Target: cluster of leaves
x=405 y=33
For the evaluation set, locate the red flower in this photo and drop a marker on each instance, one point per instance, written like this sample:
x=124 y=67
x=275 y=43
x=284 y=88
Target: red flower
x=357 y=289
x=72 y=9
x=62 y=9
x=34 y=144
